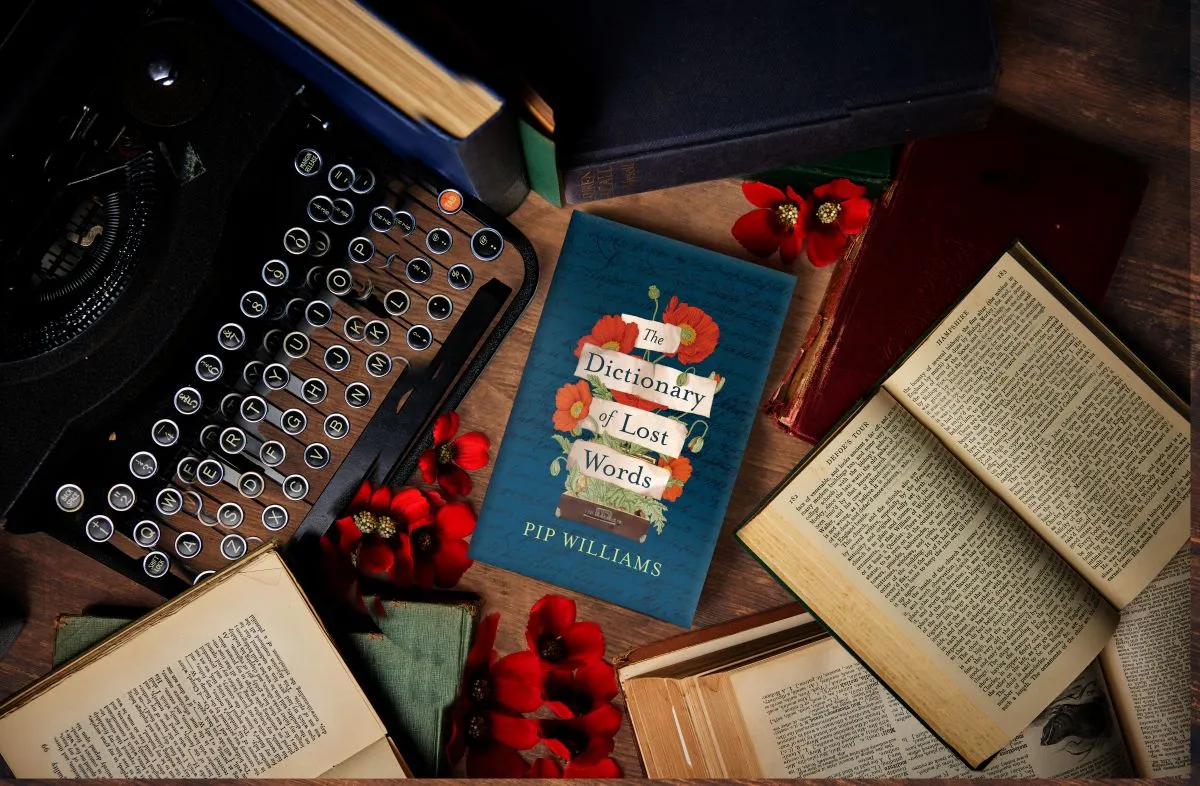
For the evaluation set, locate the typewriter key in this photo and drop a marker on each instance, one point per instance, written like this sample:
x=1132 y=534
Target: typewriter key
x=146 y=534
x=308 y=162
x=360 y=250
x=275 y=273
x=252 y=373
x=231 y=515
x=318 y=313
x=337 y=358
x=439 y=240
x=450 y=201
x=185 y=470
x=209 y=472
x=419 y=337
x=440 y=307
x=296 y=240
x=316 y=456
x=209 y=436
x=253 y=304
x=188 y=544
x=165 y=433
x=341 y=177
x=343 y=212
x=378 y=364
x=320 y=209
x=250 y=485
x=230 y=404
x=231 y=336
x=296 y=344
x=276 y=376
x=233 y=547
x=295 y=487
x=187 y=401
x=274 y=517
x=156 y=564
x=272 y=340
x=293 y=421
x=396 y=302
x=320 y=244
x=358 y=395
x=314 y=390
x=487 y=244
x=201 y=576
x=143 y=464
x=233 y=440
x=292 y=312
x=355 y=328
x=69 y=498
x=382 y=219
x=405 y=221
x=272 y=453
x=337 y=426
x=418 y=270
x=121 y=497
x=209 y=368
x=377 y=333
x=339 y=281
x=460 y=276
x=364 y=181
x=99 y=529
x=253 y=409
x=168 y=502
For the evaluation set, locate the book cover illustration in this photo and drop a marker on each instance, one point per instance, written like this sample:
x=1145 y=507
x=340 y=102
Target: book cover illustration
x=631 y=419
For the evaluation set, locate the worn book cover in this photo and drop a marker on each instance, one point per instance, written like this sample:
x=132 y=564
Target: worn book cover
x=629 y=425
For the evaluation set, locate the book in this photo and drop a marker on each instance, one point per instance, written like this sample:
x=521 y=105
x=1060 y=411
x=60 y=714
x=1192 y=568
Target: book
x=646 y=98
x=957 y=202
x=774 y=696
x=393 y=88
x=971 y=530
x=631 y=418
x=412 y=666
x=234 y=678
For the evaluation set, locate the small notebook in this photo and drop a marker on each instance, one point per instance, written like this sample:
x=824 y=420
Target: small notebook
x=632 y=415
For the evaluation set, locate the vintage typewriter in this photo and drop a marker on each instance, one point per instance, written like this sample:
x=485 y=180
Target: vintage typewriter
x=223 y=306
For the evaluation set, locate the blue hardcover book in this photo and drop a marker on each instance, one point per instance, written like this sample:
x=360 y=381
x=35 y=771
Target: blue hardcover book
x=632 y=415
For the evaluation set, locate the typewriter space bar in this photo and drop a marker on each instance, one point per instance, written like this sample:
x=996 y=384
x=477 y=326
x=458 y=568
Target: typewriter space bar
x=390 y=433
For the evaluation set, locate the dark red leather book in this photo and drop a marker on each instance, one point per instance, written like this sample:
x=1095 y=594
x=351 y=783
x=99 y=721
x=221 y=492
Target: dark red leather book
x=957 y=203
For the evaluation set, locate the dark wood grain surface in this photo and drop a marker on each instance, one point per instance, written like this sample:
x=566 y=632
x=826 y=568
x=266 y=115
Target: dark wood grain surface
x=1113 y=72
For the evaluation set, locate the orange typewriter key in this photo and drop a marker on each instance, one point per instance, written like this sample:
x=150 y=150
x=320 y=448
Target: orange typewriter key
x=450 y=201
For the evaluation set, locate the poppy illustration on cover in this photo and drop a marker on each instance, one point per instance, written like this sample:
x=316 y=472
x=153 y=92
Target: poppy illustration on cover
x=637 y=413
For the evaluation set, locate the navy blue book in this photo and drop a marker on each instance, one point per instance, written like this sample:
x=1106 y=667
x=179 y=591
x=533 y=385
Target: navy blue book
x=631 y=419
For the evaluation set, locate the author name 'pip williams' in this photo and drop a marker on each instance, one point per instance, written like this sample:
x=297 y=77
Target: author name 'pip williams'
x=592 y=548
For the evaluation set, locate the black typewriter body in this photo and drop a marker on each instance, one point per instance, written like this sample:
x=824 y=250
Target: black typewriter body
x=223 y=307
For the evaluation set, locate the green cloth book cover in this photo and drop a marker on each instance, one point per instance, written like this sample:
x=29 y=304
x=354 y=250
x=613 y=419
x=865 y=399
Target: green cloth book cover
x=629 y=425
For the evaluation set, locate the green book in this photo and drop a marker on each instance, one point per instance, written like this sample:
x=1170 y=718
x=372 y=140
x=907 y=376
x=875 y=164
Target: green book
x=871 y=168
x=410 y=669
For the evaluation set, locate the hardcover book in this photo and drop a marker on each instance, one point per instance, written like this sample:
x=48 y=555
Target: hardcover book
x=972 y=529
x=631 y=418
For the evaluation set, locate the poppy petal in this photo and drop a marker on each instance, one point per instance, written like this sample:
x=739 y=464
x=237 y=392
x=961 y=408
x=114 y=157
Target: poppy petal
x=517 y=681
x=455 y=520
x=825 y=248
x=445 y=427
x=584 y=642
x=598 y=749
x=557 y=748
x=553 y=614
x=854 y=215
x=457 y=745
x=840 y=189
x=471 y=450
x=602 y=722
x=454 y=481
x=450 y=562
x=361 y=497
x=401 y=573
x=348 y=534
x=427 y=463
x=495 y=761
x=485 y=641
x=789 y=245
x=423 y=574
x=514 y=731
x=376 y=557
x=380 y=500
x=761 y=194
x=756 y=231
x=794 y=197
x=599 y=680
x=605 y=768
x=544 y=767
x=410 y=506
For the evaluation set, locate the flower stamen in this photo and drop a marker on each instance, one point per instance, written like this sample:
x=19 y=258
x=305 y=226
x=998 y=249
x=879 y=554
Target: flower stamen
x=787 y=214
x=828 y=212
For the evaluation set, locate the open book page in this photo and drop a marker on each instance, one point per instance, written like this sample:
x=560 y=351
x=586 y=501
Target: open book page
x=815 y=712
x=239 y=681
x=926 y=574
x=1059 y=426
x=1148 y=671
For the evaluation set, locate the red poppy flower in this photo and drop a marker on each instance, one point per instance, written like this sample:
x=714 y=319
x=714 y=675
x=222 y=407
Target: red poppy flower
x=381 y=556
x=571 y=404
x=838 y=211
x=681 y=470
x=635 y=401
x=439 y=553
x=610 y=332
x=449 y=456
x=605 y=768
x=585 y=740
x=777 y=224
x=557 y=639
x=573 y=694
x=698 y=334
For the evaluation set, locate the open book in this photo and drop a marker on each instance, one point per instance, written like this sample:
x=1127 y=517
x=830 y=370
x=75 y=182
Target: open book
x=775 y=696
x=234 y=678
x=972 y=529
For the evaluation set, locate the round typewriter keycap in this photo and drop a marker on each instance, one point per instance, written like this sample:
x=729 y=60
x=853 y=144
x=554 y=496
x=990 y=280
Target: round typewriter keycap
x=292 y=312
x=274 y=517
x=168 y=502
x=202 y=575
x=233 y=440
x=296 y=240
x=450 y=201
x=364 y=181
x=418 y=270
x=487 y=244
x=343 y=212
x=396 y=302
x=318 y=313
x=272 y=453
x=69 y=498
x=187 y=401
x=382 y=218
x=440 y=307
x=253 y=304
x=233 y=547
x=341 y=177
x=296 y=344
x=358 y=395
x=275 y=273
x=209 y=436
x=156 y=564
x=188 y=544
x=295 y=487
x=230 y=404
x=99 y=529
x=209 y=472
x=337 y=426
x=272 y=340
x=276 y=376
x=320 y=244
x=337 y=358
x=185 y=470
x=231 y=515
x=251 y=484
x=143 y=465
x=121 y=497
x=339 y=281
x=378 y=364
x=405 y=221
x=439 y=240
x=316 y=456
x=355 y=328
x=360 y=250
x=293 y=421
x=320 y=208
x=146 y=534
x=253 y=409
x=164 y=433
x=308 y=162
x=252 y=373
x=209 y=368
x=231 y=336
x=460 y=276
x=377 y=332
x=314 y=390
x=419 y=337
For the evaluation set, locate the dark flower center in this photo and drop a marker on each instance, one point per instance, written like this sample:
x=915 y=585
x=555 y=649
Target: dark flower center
x=828 y=212
x=787 y=214
x=446 y=453
x=478 y=726
x=480 y=690
x=424 y=541
x=573 y=739
x=551 y=648
x=579 y=702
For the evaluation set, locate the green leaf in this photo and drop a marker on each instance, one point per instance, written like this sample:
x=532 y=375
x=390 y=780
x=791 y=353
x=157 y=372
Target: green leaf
x=563 y=442
x=599 y=389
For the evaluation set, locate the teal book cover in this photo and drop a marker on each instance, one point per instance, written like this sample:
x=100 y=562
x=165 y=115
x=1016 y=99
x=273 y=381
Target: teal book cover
x=629 y=425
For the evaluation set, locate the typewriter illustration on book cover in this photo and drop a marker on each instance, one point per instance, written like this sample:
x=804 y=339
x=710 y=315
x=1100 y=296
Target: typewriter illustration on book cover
x=632 y=416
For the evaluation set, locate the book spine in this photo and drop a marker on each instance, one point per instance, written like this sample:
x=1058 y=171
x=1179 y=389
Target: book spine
x=857 y=130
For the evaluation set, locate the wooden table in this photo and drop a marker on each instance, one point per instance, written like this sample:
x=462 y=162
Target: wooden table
x=1114 y=73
